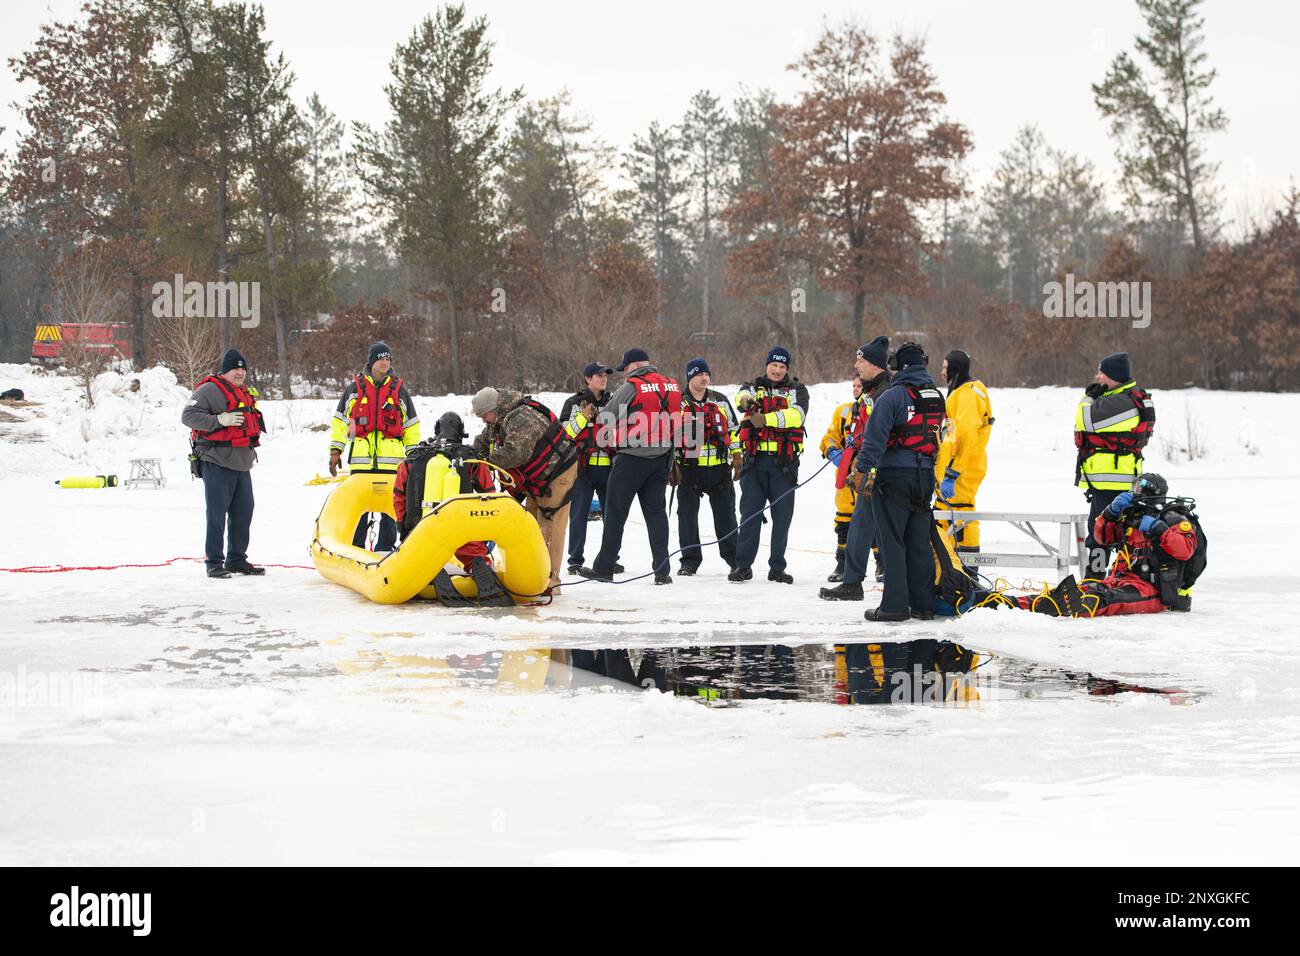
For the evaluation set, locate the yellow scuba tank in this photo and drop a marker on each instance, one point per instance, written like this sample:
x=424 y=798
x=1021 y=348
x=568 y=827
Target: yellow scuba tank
x=88 y=481
x=435 y=480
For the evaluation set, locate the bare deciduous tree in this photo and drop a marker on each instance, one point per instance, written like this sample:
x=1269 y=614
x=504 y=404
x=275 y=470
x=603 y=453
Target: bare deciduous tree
x=87 y=292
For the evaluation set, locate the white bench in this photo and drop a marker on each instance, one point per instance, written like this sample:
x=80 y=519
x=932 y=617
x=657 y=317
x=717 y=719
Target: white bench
x=1068 y=555
x=145 y=472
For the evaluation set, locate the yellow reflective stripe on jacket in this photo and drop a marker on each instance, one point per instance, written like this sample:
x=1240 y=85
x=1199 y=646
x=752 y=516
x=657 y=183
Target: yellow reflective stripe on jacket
x=376 y=451
x=1104 y=470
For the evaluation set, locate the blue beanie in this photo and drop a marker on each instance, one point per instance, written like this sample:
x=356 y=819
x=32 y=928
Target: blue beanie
x=779 y=354
x=1117 y=366
x=377 y=351
x=876 y=351
x=232 y=359
x=694 y=367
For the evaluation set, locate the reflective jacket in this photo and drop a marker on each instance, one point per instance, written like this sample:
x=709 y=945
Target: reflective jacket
x=779 y=430
x=582 y=430
x=1110 y=432
x=372 y=446
x=710 y=430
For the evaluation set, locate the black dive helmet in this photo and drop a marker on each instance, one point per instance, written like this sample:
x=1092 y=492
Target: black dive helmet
x=450 y=430
x=1149 y=485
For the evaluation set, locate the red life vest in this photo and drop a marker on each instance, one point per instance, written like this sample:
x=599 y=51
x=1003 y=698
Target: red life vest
x=377 y=408
x=920 y=433
x=535 y=475
x=1122 y=443
x=789 y=441
x=238 y=399
x=716 y=429
x=653 y=416
x=852 y=441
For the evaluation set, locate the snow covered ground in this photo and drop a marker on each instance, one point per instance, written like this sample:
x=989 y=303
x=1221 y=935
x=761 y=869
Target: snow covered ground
x=150 y=715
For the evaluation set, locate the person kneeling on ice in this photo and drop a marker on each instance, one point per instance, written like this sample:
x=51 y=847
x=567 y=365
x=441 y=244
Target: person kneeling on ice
x=1161 y=550
x=434 y=470
x=225 y=430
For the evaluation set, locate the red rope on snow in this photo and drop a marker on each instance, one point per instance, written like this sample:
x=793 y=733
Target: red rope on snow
x=56 y=568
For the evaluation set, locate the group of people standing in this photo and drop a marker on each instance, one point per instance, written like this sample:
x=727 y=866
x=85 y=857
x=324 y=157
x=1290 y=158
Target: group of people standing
x=901 y=448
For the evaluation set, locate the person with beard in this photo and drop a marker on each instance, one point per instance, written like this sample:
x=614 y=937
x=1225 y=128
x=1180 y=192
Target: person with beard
x=963 y=458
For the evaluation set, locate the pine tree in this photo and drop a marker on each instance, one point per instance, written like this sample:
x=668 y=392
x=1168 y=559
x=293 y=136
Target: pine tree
x=657 y=201
x=1161 y=120
x=429 y=173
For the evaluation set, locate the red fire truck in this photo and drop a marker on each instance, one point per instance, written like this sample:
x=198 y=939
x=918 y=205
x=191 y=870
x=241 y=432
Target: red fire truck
x=47 y=343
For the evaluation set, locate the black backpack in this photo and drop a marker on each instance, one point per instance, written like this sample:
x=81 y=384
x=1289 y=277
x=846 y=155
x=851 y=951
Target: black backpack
x=417 y=457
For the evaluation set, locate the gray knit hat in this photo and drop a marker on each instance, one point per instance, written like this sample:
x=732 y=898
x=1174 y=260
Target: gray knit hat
x=484 y=400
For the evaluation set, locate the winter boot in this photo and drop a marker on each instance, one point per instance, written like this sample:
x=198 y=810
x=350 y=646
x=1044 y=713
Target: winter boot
x=741 y=574
x=838 y=574
x=843 y=592
x=780 y=577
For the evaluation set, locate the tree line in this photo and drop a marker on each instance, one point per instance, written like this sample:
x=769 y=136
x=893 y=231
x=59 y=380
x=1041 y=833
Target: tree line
x=493 y=237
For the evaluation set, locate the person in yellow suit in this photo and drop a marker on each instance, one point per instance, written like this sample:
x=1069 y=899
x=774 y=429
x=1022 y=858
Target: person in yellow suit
x=832 y=446
x=962 y=460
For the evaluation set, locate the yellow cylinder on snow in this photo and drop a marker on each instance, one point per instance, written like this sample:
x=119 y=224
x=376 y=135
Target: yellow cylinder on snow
x=397 y=576
x=88 y=481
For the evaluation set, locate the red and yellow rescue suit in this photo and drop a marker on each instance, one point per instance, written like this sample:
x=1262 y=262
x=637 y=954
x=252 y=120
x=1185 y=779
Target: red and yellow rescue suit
x=1147 y=574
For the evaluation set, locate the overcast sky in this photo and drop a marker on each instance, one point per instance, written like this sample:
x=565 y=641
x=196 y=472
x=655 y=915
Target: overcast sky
x=1001 y=64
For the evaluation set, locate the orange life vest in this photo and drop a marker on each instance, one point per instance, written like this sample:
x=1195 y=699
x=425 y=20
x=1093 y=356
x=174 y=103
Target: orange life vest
x=238 y=399
x=377 y=407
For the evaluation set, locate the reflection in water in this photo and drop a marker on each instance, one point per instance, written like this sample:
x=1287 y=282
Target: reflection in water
x=918 y=672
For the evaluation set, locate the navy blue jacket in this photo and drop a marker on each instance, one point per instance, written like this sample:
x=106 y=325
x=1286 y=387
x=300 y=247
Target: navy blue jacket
x=890 y=410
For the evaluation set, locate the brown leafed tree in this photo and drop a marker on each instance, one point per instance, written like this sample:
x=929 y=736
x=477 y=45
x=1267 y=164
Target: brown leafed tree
x=862 y=152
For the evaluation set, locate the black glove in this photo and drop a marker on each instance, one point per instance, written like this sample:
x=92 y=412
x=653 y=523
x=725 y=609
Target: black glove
x=1095 y=390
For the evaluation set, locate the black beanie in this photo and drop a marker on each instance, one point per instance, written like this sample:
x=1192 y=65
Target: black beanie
x=1117 y=366
x=876 y=351
x=958 y=368
x=909 y=353
x=377 y=351
x=232 y=359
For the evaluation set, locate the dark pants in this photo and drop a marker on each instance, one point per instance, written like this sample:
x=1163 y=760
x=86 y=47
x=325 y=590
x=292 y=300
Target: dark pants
x=1098 y=554
x=591 y=479
x=645 y=479
x=862 y=535
x=714 y=481
x=229 y=494
x=767 y=480
x=386 y=540
x=900 y=506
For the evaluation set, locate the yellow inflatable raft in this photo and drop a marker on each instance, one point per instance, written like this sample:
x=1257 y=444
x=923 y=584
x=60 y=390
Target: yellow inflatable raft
x=393 y=577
